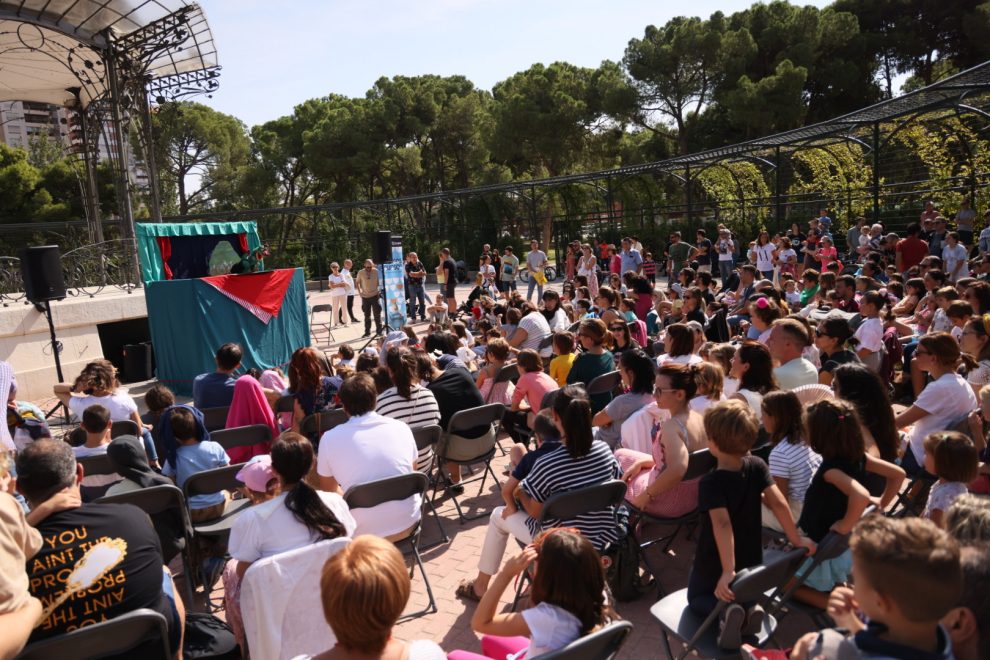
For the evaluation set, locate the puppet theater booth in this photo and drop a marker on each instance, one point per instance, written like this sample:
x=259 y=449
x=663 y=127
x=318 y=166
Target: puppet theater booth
x=195 y=304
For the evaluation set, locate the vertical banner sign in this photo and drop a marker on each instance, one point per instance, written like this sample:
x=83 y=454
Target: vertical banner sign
x=395 y=287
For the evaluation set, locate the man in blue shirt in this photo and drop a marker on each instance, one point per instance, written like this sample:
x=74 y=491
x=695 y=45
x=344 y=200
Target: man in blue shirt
x=216 y=390
x=631 y=259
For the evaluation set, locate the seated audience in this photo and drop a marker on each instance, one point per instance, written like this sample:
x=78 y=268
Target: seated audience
x=96 y=422
x=729 y=538
x=249 y=407
x=906 y=577
x=407 y=401
x=584 y=462
x=49 y=477
x=497 y=355
x=19 y=542
x=862 y=388
x=622 y=341
x=546 y=436
x=596 y=360
x=365 y=587
x=952 y=457
x=98 y=384
x=710 y=380
x=752 y=367
x=563 y=349
x=368 y=447
x=637 y=371
x=532 y=330
x=527 y=398
x=792 y=462
x=787 y=341
x=158 y=399
x=216 y=390
x=680 y=346
x=568 y=599
x=188 y=450
x=315 y=391
x=834 y=337
x=965 y=622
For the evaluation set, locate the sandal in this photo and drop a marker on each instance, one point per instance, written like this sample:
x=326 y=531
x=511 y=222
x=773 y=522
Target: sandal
x=466 y=590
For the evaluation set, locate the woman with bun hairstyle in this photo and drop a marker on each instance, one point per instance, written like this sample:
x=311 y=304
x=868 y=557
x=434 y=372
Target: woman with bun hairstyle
x=835 y=339
x=596 y=359
x=654 y=481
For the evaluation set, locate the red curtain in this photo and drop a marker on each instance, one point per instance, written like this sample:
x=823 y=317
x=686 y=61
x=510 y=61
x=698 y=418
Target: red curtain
x=243 y=240
x=165 y=246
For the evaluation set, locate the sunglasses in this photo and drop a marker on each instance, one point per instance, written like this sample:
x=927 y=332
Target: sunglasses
x=819 y=333
x=617 y=328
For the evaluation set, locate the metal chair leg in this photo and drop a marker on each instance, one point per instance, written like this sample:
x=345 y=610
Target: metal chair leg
x=432 y=608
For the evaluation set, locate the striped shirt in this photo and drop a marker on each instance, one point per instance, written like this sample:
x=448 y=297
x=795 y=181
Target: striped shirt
x=796 y=463
x=557 y=472
x=417 y=411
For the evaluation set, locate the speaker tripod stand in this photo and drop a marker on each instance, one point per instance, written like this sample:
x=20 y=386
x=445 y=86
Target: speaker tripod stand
x=56 y=349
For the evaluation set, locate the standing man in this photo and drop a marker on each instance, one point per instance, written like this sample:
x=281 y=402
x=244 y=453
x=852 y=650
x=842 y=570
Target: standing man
x=852 y=236
x=349 y=280
x=937 y=240
x=416 y=274
x=510 y=268
x=368 y=285
x=679 y=255
x=631 y=258
x=535 y=261
x=704 y=255
x=449 y=268
x=726 y=248
x=929 y=213
x=964 y=223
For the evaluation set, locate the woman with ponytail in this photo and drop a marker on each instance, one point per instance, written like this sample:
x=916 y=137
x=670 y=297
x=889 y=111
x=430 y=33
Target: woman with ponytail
x=581 y=462
x=408 y=401
x=595 y=339
x=654 y=480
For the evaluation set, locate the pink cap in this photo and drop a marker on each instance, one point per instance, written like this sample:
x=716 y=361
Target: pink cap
x=257 y=473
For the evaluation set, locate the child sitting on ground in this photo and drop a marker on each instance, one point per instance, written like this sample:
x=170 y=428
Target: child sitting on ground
x=563 y=349
x=907 y=575
x=730 y=538
x=438 y=312
x=512 y=318
x=187 y=452
x=496 y=354
x=547 y=437
x=952 y=457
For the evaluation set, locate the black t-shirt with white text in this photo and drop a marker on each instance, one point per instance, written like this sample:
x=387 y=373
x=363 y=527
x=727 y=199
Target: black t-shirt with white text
x=134 y=583
x=739 y=493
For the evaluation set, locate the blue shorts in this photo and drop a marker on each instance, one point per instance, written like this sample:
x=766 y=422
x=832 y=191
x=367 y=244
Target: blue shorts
x=175 y=625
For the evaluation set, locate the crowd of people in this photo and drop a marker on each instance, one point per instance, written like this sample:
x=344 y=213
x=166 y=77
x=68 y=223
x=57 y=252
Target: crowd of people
x=835 y=393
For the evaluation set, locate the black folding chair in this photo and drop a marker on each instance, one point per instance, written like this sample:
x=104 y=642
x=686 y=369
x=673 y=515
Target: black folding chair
x=393 y=489
x=545 y=402
x=604 y=383
x=242 y=436
x=318 y=309
x=321 y=422
x=207 y=483
x=116 y=636
x=285 y=404
x=430 y=436
x=488 y=415
x=602 y=644
x=699 y=463
x=96 y=464
x=546 y=343
x=572 y=504
x=153 y=501
x=215 y=418
x=509 y=372
x=123 y=427
x=700 y=633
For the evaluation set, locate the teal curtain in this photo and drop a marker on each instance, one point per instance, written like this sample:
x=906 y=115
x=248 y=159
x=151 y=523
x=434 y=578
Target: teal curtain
x=191 y=319
x=152 y=269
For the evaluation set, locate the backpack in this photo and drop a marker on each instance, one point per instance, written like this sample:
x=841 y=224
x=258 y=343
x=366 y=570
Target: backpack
x=621 y=563
x=208 y=638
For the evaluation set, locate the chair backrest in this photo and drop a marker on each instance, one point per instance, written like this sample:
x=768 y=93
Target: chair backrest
x=700 y=463
x=506 y=373
x=604 y=383
x=426 y=436
x=215 y=418
x=281 y=603
x=602 y=644
x=321 y=308
x=212 y=481
x=573 y=503
x=242 y=436
x=548 y=398
x=125 y=427
x=328 y=420
x=96 y=464
x=472 y=417
x=285 y=404
x=757 y=580
x=112 y=637
x=574 y=326
x=545 y=343
x=390 y=489
x=150 y=500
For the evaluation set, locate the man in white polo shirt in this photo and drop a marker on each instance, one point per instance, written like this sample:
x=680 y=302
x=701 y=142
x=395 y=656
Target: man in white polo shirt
x=368 y=447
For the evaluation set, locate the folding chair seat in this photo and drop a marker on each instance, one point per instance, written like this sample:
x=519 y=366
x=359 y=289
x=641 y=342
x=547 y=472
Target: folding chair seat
x=285 y=404
x=392 y=489
x=602 y=644
x=699 y=463
x=700 y=633
x=113 y=637
x=430 y=436
x=242 y=436
x=482 y=416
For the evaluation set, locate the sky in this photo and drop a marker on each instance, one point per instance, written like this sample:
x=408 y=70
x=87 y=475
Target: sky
x=278 y=54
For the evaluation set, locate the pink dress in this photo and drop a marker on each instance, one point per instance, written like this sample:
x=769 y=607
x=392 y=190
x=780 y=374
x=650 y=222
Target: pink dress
x=678 y=501
x=570 y=267
x=502 y=394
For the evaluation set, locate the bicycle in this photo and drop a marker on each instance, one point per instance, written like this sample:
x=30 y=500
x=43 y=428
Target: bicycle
x=548 y=271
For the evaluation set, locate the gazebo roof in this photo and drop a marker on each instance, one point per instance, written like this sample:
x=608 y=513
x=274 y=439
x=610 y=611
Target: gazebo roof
x=50 y=48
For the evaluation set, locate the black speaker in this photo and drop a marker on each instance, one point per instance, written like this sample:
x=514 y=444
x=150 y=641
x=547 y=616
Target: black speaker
x=138 y=362
x=381 y=247
x=41 y=270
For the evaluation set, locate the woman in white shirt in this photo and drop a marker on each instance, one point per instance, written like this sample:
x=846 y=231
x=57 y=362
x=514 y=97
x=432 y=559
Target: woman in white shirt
x=764 y=250
x=338 y=295
x=752 y=366
x=942 y=403
x=975 y=341
x=954 y=258
x=487 y=272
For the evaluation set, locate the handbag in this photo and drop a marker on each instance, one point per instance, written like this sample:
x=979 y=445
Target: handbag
x=540 y=277
x=478 y=280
